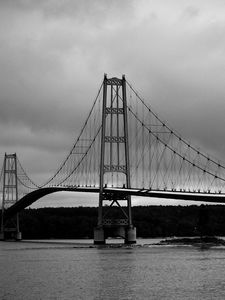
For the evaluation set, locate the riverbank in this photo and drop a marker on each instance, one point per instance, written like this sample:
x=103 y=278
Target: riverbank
x=201 y=242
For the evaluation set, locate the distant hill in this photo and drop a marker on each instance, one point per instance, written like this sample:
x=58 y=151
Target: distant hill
x=150 y=221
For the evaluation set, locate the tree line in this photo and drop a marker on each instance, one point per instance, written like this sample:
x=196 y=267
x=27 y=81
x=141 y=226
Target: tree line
x=150 y=221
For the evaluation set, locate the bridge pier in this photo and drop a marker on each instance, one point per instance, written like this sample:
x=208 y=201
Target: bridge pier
x=18 y=236
x=102 y=233
x=99 y=236
x=10 y=235
x=130 y=235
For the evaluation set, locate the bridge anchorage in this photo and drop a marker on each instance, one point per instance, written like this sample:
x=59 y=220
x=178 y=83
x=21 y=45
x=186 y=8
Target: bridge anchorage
x=114 y=141
x=10 y=226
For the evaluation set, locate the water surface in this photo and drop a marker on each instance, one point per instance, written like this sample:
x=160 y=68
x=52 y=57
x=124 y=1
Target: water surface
x=72 y=270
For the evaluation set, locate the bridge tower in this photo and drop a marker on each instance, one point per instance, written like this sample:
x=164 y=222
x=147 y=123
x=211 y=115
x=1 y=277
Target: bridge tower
x=9 y=226
x=114 y=164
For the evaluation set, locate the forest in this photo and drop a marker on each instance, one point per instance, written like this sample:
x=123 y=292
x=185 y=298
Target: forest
x=150 y=221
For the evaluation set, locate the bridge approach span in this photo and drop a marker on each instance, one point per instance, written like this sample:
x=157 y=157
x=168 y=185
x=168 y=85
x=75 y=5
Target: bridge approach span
x=115 y=193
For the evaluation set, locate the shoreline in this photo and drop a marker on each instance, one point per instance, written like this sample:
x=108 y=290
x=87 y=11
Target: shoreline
x=200 y=242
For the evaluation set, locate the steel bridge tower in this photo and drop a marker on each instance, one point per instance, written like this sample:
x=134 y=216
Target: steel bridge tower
x=114 y=163
x=9 y=226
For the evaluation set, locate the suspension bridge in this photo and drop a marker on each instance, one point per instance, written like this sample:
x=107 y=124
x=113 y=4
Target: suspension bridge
x=124 y=149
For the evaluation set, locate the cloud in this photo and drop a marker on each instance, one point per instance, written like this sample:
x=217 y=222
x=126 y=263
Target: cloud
x=53 y=56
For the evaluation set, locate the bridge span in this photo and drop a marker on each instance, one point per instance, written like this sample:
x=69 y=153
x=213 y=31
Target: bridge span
x=112 y=193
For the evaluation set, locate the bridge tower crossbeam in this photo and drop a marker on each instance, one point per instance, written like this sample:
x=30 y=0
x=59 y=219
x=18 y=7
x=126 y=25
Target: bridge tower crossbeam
x=114 y=161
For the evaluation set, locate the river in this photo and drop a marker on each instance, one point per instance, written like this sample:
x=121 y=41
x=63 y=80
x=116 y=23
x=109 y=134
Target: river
x=75 y=270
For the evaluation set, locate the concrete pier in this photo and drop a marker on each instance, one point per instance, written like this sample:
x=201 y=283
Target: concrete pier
x=10 y=235
x=18 y=236
x=99 y=236
x=130 y=235
x=102 y=233
x=2 y=236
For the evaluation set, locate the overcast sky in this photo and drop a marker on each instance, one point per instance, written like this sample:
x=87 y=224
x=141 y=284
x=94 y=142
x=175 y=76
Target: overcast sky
x=53 y=55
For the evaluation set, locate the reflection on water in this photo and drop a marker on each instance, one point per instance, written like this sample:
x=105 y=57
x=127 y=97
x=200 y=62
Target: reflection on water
x=69 y=271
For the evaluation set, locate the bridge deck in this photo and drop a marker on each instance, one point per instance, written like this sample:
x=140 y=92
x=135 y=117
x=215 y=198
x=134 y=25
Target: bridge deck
x=119 y=192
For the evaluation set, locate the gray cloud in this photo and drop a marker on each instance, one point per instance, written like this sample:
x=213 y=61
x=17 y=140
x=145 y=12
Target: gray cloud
x=53 y=55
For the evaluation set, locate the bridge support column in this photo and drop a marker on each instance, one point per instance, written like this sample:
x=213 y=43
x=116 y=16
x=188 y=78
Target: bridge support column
x=127 y=233
x=2 y=236
x=18 y=236
x=114 y=160
x=10 y=226
x=10 y=234
x=99 y=236
x=130 y=235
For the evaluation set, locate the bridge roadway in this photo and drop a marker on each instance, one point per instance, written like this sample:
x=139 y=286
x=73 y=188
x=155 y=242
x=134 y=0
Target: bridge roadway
x=114 y=192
